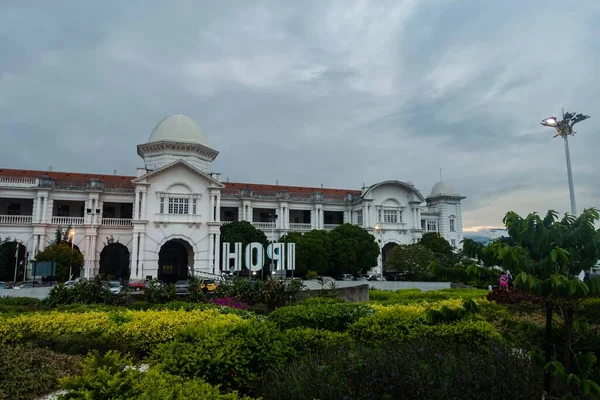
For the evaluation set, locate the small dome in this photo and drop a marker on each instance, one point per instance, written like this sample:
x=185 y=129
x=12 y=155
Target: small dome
x=177 y=128
x=442 y=188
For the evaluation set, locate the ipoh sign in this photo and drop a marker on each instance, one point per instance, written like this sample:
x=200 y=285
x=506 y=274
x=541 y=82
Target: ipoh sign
x=283 y=256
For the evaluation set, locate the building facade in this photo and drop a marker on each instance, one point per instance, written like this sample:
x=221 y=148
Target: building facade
x=167 y=217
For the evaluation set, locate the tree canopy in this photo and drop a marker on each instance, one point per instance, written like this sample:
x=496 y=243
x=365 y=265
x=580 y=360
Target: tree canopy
x=411 y=259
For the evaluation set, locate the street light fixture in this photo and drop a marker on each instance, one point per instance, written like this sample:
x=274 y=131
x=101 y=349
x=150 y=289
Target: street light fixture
x=564 y=128
x=379 y=231
x=273 y=218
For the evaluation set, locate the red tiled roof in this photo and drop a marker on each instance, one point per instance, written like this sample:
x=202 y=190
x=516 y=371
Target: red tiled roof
x=76 y=176
x=291 y=189
x=69 y=176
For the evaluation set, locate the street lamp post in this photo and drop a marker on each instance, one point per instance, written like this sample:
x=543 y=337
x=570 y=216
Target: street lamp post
x=379 y=232
x=274 y=221
x=564 y=128
x=72 y=233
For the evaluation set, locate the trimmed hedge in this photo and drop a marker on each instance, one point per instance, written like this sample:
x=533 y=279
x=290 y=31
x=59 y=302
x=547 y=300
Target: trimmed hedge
x=233 y=356
x=411 y=296
x=332 y=316
x=27 y=372
x=113 y=377
x=137 y=331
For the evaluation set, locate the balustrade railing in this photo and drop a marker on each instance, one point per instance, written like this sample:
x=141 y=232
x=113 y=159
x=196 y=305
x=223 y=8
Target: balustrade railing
x=264 y=225
x=116 y=221
x=329 y=227
x=56 y=220
x=17 y=181
x=15 y=219
x=300 y=227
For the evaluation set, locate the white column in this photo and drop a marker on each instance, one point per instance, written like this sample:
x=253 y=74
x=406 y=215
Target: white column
x=38 y=209
x=142 y=253
x=136 y=206
x=218 y=253
x=144 y=196
x=134 y=257
x=250 y=216
x=212 y=207
x=218 y=212
x=211 y=255
x=240 y=215
x=99 y=216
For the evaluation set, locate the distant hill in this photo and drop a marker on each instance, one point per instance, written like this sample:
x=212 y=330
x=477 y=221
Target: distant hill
x=478 y=238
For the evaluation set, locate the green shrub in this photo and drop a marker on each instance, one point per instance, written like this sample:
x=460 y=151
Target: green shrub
x=309 y=340
x=399 y=325
x=233 y=356
x=419 y=371
x=327 y=315
x=84 y=292
x=113 y=377
x=411 y=296
x=27 y=372
x=20 y=301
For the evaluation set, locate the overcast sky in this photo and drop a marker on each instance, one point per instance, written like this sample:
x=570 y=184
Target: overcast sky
x=310 y=92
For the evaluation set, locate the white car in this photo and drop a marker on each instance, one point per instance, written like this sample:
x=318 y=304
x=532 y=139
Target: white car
x=115 y=287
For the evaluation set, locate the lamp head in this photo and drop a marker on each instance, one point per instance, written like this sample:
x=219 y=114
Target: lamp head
x=550 y=121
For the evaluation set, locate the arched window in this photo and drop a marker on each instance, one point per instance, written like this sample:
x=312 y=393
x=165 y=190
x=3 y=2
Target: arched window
x=452 y=223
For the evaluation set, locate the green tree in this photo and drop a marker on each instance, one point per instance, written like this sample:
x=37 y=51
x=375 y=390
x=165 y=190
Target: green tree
x=411 y=259
x=65 y=258
x=437 y=244
x=367 y=249
x=313 y=251
x=242 y=232
x=547 y=254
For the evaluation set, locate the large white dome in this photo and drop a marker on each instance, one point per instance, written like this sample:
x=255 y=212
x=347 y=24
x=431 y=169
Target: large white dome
x=442 y=188
x=177 y=128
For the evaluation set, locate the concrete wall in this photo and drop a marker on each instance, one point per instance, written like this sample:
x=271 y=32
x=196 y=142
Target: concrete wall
x=37 y=293
x=352 y=293
x=423 y=286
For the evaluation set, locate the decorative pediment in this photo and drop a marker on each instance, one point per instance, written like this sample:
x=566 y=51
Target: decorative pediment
x=213 y=181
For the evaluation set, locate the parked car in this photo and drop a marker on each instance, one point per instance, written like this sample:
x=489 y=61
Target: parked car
x=137 y=284
x=115 y=287
x=4 y=285
x=209 y=284
x=182 y=287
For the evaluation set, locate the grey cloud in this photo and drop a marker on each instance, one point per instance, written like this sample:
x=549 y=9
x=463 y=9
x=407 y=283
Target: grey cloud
x=333 y=92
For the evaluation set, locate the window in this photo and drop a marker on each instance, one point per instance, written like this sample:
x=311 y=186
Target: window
x=109 y=212
x=451 y=224
x=194 y=206
x=359 y=217
x=178 y=206
x=423 y=224
x=390 y=217
x=453 y=242
x=431 y=226
x=162 y=205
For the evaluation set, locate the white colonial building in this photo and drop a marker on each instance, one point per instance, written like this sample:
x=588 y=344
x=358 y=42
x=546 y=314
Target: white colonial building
x=167 y=218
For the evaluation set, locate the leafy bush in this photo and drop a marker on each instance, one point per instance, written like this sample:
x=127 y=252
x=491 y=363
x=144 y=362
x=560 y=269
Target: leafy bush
x=17 y=305
x=233 y=355
x=27 y=372
x=136 y=331
x=84 y=292
x=114 y=377
x=411 y=296
x=309 y=340
x=512 y=297
x=408 y=323
x=410 y=371
x=328 y=315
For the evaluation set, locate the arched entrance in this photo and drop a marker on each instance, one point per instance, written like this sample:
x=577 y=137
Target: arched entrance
x=385 y=251
x=114 y=261
x=7 y=261
x=175 y=260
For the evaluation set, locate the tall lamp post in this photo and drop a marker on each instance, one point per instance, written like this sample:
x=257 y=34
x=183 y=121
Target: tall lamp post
x=72 y=234
x=564 y=128
x=273 y=218
x=379 y=232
